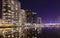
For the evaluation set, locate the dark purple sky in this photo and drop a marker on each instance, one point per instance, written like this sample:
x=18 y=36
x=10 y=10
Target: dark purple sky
x=49 y=10
x=0 y=8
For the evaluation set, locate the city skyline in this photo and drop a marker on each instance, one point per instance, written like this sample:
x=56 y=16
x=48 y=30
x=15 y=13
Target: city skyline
x=48 y=9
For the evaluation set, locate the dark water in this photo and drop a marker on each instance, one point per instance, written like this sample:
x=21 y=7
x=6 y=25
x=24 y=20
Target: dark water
x=50 y=33
x=46 y=33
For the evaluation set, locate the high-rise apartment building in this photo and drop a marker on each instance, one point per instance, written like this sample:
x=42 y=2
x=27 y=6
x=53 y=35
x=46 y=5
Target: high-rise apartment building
x=39 y=20
x=10 y=11
x=34 y=17
x=28 y=16
x=22 y=16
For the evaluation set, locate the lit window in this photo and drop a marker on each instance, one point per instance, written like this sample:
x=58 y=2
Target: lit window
x=14 y=21
x=16 y=5
x=9 y=6
x=16 y=8
x=4 y=5
x=9 y=16
x=12 y=2
x=12 y=8
x=12 y=12
x=16 y=13
x=9 y=11
x=9 y=19
x=3 y=21
x=16 y=16
x=4 y=2
x=12 y=16
x=9 y=1
x=4 y=9
x=4 y=18
x=6 y=22
x=3 y=13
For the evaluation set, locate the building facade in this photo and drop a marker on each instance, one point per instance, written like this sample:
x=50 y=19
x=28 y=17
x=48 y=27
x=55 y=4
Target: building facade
x=28 y=16
x=10 y=11
x=34 y=17
x=39 y=20
x=22 y=16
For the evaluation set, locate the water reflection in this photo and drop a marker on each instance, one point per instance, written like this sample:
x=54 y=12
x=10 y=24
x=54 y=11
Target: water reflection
x=36 y=33
x=50 y=33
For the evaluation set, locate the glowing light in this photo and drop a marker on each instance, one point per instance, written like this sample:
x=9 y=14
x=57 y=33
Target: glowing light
x=4 y=9
x=50 y=24
x=12 y=2
x=9 y=6
x=9 y=11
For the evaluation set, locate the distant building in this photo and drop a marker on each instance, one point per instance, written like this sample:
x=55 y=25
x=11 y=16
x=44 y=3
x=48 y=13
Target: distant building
x=39 y=20
x=34 y=17
x=28 y=16
x=22 y=16
x=10 y=11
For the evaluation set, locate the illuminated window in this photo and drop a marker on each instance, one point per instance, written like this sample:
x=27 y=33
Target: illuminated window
x=9 y=6
x=12 y=16
x=9 y=16
x=16 y=16
x=4 y=13
x=4 y=18
x=9 y=13
x=4 y=9
x=3 y=21
x=6 y=22
x=12 y=12
x=9 y=19
x=9 y=1
x=12 y=2
x=16 y=13
x=14 y=21
x=4 y=2
x=16 y=5
x=9 y=10
x=12 y=8
x=16 y=8
x=4 y=5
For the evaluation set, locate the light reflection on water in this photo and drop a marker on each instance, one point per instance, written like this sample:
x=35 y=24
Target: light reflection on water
x=48 y=33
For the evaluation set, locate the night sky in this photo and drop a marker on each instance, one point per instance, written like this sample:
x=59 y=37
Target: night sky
x=48 y=10
x=0 y=8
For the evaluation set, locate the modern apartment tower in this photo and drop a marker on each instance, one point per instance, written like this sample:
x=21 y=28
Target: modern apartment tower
x=10 y=11
x=39 y=20
x=22 y=16
x=34 y=17
x=28 y=16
